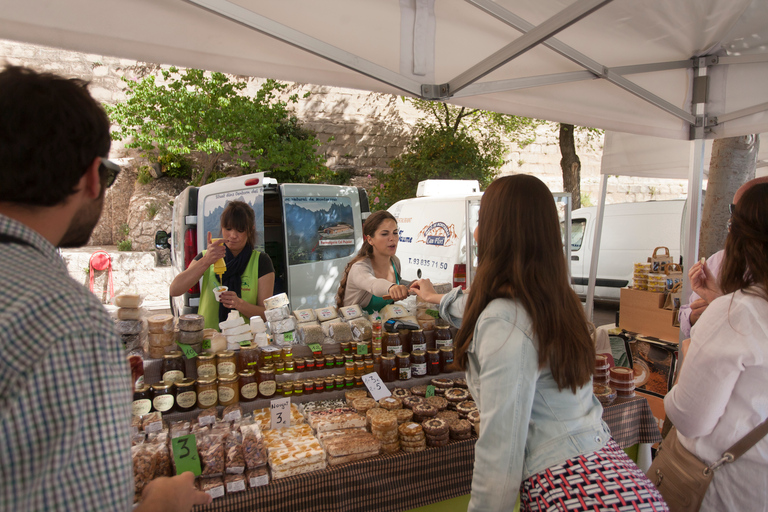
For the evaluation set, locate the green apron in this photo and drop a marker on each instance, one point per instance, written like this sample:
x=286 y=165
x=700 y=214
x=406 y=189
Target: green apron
x=249 y=291
x=377 y=302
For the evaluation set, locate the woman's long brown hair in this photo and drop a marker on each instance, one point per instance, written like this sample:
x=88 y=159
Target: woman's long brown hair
x=370 y=226
x=520 y=257
x=746 y=249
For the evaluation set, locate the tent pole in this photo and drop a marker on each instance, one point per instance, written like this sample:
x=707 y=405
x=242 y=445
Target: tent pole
x=590 y=306
x=693 y=217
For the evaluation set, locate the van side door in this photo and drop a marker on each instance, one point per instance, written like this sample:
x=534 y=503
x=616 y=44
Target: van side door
x=323 y=232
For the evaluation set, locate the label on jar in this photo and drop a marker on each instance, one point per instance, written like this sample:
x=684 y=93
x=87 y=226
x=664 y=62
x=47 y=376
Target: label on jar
x=249 y=391
x=226 y=368
x=208 y=398
x=173 y=376
x=142 y=406
x=163 y=403
x=186 y=399
x=258 y=481
x=419 y=346
x=226 y=394
x=395 y=349
x=267 y=388
x=404 y=373
x=206 y=371
x=443 y=343
x=419 y=369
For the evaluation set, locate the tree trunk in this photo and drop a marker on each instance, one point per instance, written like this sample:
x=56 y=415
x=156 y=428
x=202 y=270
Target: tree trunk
x=570 y=164
x=732 y=164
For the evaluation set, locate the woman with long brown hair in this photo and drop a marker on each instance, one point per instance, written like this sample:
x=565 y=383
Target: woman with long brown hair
x=720 y=395
x=375 y=271
x=525 y=345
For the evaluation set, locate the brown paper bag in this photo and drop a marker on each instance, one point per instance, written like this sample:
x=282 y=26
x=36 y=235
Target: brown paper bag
x=658 y=261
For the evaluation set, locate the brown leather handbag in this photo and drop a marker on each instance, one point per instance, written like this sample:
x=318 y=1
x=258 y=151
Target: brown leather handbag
x=682 y=478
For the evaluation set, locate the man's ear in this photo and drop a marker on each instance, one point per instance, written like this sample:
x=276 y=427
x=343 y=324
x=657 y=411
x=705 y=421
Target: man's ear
x=92 y=180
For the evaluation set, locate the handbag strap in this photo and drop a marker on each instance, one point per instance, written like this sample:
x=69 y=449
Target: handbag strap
x=742 y=445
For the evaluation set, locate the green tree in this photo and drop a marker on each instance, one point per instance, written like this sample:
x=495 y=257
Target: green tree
x=450 y=142
x=206 y=115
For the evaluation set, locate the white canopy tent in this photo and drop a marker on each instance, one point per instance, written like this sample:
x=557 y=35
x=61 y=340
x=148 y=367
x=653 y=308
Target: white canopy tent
x=676 y=69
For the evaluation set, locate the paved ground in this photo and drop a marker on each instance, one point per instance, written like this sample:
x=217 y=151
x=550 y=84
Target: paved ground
x=605 y=313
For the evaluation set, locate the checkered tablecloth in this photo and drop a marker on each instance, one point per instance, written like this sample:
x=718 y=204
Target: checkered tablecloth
x=408 y=480
x=631 y=422
x=385 y=483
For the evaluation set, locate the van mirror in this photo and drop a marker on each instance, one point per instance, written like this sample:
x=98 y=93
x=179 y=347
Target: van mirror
x=161 y=240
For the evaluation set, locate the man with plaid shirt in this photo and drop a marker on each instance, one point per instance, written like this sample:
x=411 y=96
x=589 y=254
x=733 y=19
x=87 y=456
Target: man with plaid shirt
x=65 y=392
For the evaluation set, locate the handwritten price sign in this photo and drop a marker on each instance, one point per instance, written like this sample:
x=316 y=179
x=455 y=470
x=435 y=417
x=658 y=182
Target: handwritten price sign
x=280 y=411
x=185 y=454
x=376 y=386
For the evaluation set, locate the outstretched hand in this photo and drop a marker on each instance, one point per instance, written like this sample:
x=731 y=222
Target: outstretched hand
x=425 y=291
x=175 y=494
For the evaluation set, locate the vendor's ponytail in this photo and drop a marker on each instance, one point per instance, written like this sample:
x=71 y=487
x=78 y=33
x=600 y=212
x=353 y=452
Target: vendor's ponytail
x=370 y=226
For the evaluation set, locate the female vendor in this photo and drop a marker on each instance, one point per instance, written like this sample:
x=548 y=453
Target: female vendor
x=375 y=271
x=249 y=278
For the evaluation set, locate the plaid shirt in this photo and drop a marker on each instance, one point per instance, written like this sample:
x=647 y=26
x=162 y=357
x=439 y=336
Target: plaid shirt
x=65 y=401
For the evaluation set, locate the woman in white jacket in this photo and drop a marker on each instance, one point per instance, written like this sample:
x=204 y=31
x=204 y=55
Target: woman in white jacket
x=721 y=394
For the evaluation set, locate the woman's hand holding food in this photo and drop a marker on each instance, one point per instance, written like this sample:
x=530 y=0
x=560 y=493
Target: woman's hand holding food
x=230 y=300
x=425 y=291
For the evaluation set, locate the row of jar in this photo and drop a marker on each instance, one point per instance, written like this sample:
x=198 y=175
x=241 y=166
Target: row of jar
x=246 y=386
x=419 y=363
x=406 y=340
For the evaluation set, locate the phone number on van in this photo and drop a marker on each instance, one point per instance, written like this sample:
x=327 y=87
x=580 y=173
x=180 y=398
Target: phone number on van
x=428 y=263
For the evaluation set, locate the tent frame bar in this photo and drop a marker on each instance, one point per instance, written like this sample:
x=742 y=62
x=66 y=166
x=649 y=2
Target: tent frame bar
x=307 y=43
x=528 y=40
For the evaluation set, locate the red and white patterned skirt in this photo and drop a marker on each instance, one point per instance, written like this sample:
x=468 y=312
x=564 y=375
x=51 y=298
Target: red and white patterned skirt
x=604 y=480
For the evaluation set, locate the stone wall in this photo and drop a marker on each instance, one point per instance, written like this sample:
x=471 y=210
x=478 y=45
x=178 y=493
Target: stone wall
x=360 y=132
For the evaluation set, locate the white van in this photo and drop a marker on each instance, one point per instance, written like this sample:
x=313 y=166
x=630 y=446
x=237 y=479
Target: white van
x=436 y=230
x=309 y=231
x=630 y=233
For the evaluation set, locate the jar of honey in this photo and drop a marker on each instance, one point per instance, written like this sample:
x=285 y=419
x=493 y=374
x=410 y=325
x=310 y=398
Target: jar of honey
x=162 y=397
x=392 y=344
x=433 y=362
x=443 y=337
x=418 y=340
x=142 y=400
x=186 y=396
x=418 y=363
x=226 y=364
x=387 y=368
x=249 y=385
x=207 y=393
x=267 y=384
x=248 y=357
x=173 y=369
x=229 y=389
x=446 y=359
x=206 y=365
x=403 y=366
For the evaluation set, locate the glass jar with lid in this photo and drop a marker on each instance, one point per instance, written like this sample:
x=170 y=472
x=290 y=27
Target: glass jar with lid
x=403 y=366
x=446 y=359
x=392 y=344
x=298 y=388
x=226 y=365
x=290 y=366
x=368 y=364
x=267 y=384
x=418 y=340
x=433 y=362
x=287 y=353
x=206 y=365
x=418 y=363
x=229 y=389
x=162 y=397
x=359 y=368
x=349 y=369
x=339 y=382
x=248 y=357
x=319 y=385
x=388 y=369
x=349 y=382
x=142 y=400
x=319 y=362
x=186 y=396
x=443 y=337
x=207 y=393
x=310 y=364
x=309 y=386
x=340 y=360
x=249 y=385
x=173 y=368
x=288 y=388
x=330 y=382
x=299 y=364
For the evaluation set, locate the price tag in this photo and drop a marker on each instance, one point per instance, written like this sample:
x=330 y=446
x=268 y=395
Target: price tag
x=188 y=351
x=430 y=391
x=376 y=386
x=362 y=348
x=206 y=344
x=315 y=347
x=245 y=343
x=185 y=454
x=280 y=411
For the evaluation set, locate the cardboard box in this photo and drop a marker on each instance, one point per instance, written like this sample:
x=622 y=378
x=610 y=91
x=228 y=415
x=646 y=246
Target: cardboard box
x=642 y=312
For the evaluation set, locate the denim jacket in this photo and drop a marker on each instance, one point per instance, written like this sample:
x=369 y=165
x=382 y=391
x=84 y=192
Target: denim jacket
x=526 y=424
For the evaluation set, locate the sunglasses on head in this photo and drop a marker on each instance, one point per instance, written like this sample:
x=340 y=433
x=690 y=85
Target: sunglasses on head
x=731 y=208
x=110 y=170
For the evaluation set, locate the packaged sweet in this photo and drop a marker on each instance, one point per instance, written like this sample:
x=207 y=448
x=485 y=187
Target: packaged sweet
x=143 y=465
x=310 y=333
x=207 y=416
x=234 y=483
x=285 y=338
x=341 y=332
x=254 y=447
x=152 y=422
x=305 y=315
x=235 y=459
x=351 y=312
x=362 y=329
x=232 y=413
x=325 y=314
x=276 y=301
x=179 y=428
x=211 y=451
x=257 y=476
x=392 y=311
x=278 y=313
x=212 y=486
x=162 y=455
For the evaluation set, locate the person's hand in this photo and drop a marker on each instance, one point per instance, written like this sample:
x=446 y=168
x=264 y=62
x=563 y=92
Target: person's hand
x=174 y=494
x=230 y=299
x=215 y=250
x=697 y=308
x=424 y=290
x=703 y=282
x=398 y=292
